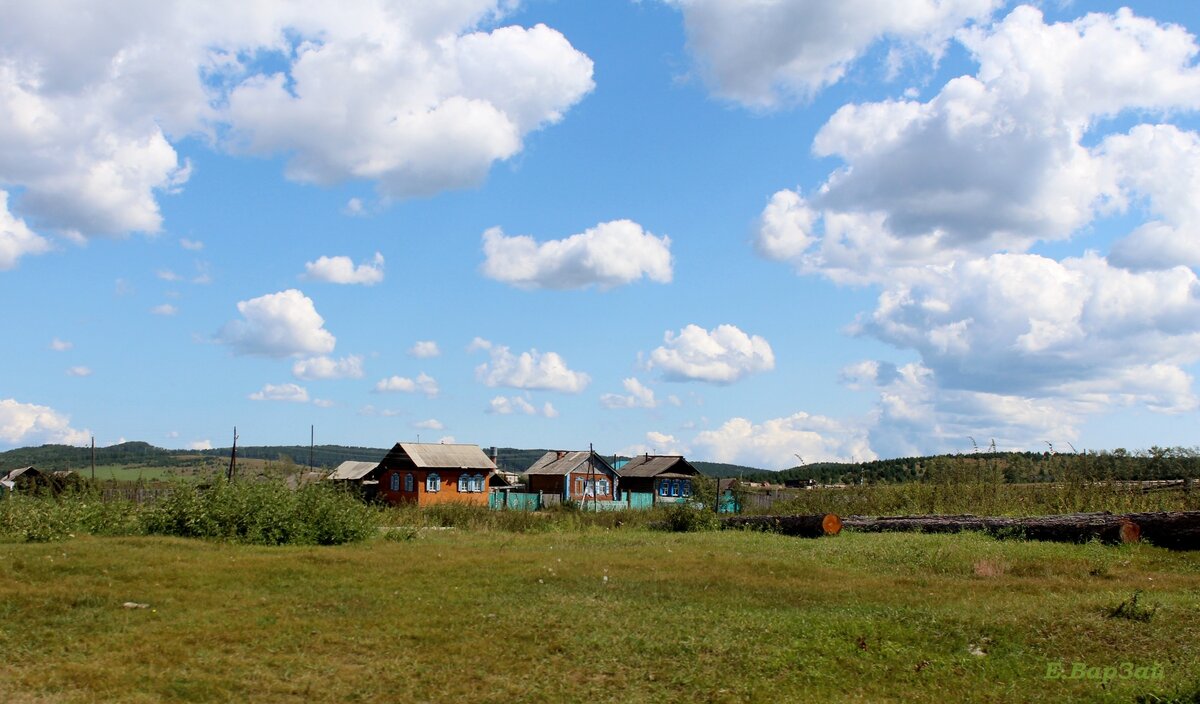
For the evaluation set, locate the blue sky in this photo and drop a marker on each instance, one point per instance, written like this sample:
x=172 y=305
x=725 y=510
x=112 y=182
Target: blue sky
x=743 y=231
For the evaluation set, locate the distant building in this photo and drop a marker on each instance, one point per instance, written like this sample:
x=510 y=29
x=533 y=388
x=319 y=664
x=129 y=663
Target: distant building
x=427 y=473
x=574 y=476
x=669 y=477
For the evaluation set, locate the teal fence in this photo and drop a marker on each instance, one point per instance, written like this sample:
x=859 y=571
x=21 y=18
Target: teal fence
x=639 y=499
x=514 y=501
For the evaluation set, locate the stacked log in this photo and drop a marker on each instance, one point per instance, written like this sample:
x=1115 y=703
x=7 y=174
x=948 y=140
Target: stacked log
x=1066 y=528
x=1176 y=530
x=800 y=526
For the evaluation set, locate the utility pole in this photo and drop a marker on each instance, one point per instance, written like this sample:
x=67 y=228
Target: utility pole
x=312 y=439
x=93 y=458
x=232 y=456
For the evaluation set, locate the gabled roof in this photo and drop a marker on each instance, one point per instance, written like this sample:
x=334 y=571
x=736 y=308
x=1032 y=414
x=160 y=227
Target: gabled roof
x=352 y=471
x=30 y=471
x=439 y=456
x=562 y=462
x=654 y=465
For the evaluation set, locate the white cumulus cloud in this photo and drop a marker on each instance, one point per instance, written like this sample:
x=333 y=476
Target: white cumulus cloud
x=637 y=395
x=607 y=255
x=528 y=370
x=278 y=325
x=16 y=239
x=31 y=424
x=341 y=270
x=79 y=371
x=60 y=345
x=430 y=424
x=349 y=367
x=291 y=393
x=423 y=384
x=507 y=405
x=200 y=445
x=774 y=443
x=164 y=309
x=721 y=355
x=428 y=96
x=759 y=53
x=424 y=349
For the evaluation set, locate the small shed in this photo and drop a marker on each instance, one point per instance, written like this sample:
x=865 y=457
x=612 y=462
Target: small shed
x=669 y=477
x=24 y=479
x=574 y=475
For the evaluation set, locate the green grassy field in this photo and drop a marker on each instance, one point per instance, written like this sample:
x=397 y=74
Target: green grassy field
x=622 y=615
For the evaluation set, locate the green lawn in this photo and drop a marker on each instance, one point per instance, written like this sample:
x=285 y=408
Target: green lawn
x=624 y=615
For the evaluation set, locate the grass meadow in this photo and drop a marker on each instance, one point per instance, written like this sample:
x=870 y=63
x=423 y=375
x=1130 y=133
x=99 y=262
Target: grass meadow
x=595 y=609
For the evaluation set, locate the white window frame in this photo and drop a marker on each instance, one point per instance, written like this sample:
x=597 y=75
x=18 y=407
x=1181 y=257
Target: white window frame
x=664 y=487
x=464 y=483
x=686 y=487
x=433 y=483
x=480 y=483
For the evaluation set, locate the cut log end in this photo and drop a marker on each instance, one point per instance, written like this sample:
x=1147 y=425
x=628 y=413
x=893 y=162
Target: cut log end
x=1129 y=532
x=832 y=525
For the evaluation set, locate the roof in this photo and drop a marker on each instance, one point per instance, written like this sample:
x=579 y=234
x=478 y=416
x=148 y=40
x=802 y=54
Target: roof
x=439 y=456
x=561 y=462
x=654 y=465
x=353 y=471
x=12 y=475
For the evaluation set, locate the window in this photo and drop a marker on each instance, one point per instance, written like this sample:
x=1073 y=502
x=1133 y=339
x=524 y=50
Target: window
x=674 y=487
x=664 y=487
x=464 y=483
x=396 y=482
x=602 y=487
x=433 y=483
x=479 y=483
x=408 y=482
x=687 y=487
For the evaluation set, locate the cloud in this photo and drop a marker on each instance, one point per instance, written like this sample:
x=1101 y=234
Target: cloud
x=324 y=403
x=720 y=356
x=431 y=424
x=191 y=245
x=354 y=207
x=775 y=443
x=424 y=349
x=200 y=445
x=16 y=239
x=79 y=371
x=997 y=161
x=639 y=396
x=759 y=54
x=610 y=254
x=507 y=405
x=29 y=424
x=279 y=324
x=529 y=370
x=60 y=345
x=656 y=444
x=167 y=275
x=349 y=367
x=428 y=97
x=424 y=384
x=291 y=393
x=938 y=204
x=164 y=309
x=341 y=270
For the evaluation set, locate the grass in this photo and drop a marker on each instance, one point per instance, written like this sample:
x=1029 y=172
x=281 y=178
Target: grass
x=569 y=611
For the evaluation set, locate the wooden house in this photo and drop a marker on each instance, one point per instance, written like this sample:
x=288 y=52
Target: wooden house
x=574 y=476
x=427 y=473
x=669 y=477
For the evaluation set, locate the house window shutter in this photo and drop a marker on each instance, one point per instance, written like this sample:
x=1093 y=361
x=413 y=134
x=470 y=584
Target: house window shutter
x=395 y=482
x=408 y=482
x=463 y=486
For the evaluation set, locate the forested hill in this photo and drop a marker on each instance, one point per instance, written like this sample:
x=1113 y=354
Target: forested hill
x=1155 y=463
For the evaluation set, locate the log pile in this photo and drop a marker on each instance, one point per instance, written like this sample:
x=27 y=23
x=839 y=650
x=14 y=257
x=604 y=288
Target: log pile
x=799 y=526
x=1067 y=528
x=1176 y=530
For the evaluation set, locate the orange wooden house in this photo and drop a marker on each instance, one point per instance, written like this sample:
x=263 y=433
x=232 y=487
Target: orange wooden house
x=427 y=473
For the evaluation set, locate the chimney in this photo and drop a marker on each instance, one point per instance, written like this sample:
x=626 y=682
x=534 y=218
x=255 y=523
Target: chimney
x=559 y=454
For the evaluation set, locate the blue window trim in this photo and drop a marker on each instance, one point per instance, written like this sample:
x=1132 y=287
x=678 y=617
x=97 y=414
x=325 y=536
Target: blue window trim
x=395 y=481
x=433 y=483
x=408 y=482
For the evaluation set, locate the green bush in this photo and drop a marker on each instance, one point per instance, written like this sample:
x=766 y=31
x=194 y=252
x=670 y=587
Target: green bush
x=263 y=513
x=688 y=518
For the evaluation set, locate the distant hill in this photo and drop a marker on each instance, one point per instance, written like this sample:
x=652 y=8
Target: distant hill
x=1155 y=463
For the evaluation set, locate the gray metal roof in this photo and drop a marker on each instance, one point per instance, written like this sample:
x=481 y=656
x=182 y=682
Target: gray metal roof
x=352 y=471
x=654 y=465
x=561 y=462
x=12 y=475
x=439 y=456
